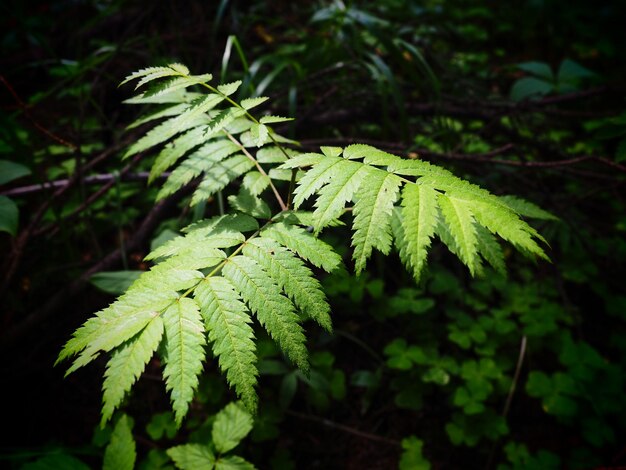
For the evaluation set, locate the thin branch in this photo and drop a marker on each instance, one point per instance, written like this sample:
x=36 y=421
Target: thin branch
x=344 y=428
x=281 y=203
x=24 y=107
x=92 y=198
x=92 y=179
x=13 y=336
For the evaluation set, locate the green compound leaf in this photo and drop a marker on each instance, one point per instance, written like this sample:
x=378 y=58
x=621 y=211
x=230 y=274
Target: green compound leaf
x=228 y=323
x=183 y=353
x=126 y=365
x=274 y=311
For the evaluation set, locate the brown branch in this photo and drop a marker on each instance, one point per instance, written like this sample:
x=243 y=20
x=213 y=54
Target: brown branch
x=24 y=107
x=14 y=335
x=91 y=199
x=344 y=428
x=92 y=179
x=19 y=244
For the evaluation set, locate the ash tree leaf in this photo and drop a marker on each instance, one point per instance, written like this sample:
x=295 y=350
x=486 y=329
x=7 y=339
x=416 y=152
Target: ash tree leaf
x=291 y=275
x=274 y=311
x=339 y=190
x=183 y=353
x=305 y=245
x=250 y=103
x=460 y=222
x=250 y=204
x=526 y=208
x=126 y=365
x=372 y=221
x=419 y=219
x=259 y=134
x=228 y=323
x=116 y=324
x=274 y=119
x=229 y=88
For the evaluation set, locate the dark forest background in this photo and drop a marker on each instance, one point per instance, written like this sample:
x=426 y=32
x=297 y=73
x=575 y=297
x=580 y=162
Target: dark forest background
x=522 y=97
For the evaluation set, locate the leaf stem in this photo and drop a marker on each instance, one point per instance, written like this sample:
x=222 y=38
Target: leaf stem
x=282 y=204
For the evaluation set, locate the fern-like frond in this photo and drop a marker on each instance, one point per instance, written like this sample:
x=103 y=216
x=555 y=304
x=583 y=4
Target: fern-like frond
x=114 y=325
x=372 y=216
x=305 y=245
x=460 y=222
x=220 y=175
x=173 y=84
x=335 y=176
x=228 y=89
x=250 y=204
x=250 y=103
x=191 y=117
x=527 y=209
x=419 y=219
x=183 y=353
x=255 y=182
x=201 y=161
x=156 y=72
x=315 y=178
x=505 y=223
x=127 y=363
x=197 y=241
x=170 y=154
x=169 y=111
x=340 y=190
x=490 y=250
x=274 y=311
x=291 y=275
x=227 y=321
x=176 y=96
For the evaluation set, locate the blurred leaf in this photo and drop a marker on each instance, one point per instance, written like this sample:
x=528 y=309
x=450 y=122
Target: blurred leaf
x=412 y=457
x=539 y=69
x=9 y=215
x=120 y=454
x=56 y=461
x=231 y=425
x=162 y=424
x=571 y=71
x=529 y=87
x=10 y=171
x=114 y=282
x=192 y=457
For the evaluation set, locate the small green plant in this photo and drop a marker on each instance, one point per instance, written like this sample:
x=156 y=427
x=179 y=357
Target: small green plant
x=543 y=80
x=257 y=258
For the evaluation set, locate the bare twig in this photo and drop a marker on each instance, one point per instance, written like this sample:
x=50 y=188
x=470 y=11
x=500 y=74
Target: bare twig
x=91 y=179
x=13 y=335
x=344 y=428
x=24 y=107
